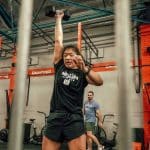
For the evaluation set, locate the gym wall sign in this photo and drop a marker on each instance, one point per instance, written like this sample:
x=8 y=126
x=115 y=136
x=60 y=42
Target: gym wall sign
x=4 y=77
x=41 y=71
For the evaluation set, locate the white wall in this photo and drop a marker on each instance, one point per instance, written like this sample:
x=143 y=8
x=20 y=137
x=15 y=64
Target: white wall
x=3 y=111
x=39 y=99
x=107 y=96
x=41 y=89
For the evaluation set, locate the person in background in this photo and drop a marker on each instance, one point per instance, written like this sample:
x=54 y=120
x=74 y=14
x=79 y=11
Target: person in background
x=92 y=114
x=66 y=120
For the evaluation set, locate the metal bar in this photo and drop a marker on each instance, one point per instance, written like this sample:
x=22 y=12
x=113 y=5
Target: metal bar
x=88 y=17
x=104 y=4
x=90 y=41
x=82 y=18
x=123 y=51
x=74 y=20
x=6 y=17
x=7 y=46
x=136 y=48
x=16 y=126
x=28 y=91
x=7 y=36
x=96 y=57
x=90 y=54
x=52 y=40
x=12 y=20
x=8 y=109
x=71 y=3
x=37 y=27
x=40 y=35
x=38 y=11
x=86 y=49
x=89 y=45
x=11 y=14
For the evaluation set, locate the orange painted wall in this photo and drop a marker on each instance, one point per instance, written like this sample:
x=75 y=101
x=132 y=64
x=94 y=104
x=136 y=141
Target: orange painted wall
x=145 y=74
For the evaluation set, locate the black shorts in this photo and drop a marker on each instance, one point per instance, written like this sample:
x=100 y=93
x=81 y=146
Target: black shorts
x=64 y=126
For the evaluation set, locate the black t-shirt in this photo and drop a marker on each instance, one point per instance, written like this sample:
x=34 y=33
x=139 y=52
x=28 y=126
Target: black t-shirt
x=68 y=92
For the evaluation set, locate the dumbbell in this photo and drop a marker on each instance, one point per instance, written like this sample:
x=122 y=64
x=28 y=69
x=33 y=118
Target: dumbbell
x=50 y=11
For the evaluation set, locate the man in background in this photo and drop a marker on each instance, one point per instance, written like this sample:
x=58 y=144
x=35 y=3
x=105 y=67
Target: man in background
x=92 y=114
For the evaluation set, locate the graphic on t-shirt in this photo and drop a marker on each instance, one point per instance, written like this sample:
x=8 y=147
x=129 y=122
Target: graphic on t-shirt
x=69 y=77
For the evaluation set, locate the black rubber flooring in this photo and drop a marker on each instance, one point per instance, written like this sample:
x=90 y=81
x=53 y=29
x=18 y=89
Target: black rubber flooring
x=3 y=146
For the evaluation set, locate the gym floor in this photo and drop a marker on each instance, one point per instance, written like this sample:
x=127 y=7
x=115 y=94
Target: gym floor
x=3 y=146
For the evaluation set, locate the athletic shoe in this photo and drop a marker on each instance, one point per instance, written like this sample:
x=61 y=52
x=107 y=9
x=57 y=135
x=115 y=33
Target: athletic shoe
x=100 y=148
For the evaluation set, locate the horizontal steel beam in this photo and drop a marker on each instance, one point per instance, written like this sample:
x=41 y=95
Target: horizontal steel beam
x=6 y=17
x=79 y=5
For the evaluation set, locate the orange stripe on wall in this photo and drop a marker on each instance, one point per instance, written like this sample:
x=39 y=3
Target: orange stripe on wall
x=105 y=66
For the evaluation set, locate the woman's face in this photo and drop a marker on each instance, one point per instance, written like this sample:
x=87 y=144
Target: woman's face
x=69 y=58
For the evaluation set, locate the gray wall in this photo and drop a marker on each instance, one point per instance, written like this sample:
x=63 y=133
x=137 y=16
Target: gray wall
x=106 y=95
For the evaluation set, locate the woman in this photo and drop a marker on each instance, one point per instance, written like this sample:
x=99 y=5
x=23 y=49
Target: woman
x=65 y=120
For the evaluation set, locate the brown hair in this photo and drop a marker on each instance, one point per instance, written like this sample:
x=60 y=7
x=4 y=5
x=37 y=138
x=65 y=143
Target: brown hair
x=91 y=92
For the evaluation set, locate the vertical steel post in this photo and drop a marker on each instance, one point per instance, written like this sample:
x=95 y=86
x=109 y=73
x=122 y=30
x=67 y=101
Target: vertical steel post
x=137 y=76
x=123 y=57
x=17 y=113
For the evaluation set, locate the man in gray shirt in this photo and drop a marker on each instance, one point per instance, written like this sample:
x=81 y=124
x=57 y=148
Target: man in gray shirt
x=92 y=113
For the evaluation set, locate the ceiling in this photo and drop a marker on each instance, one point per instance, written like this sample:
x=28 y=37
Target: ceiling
x=94 y=14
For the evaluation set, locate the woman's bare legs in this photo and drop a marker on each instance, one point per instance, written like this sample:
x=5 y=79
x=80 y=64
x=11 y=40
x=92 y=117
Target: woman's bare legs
x=78 y=144
x=48 y=144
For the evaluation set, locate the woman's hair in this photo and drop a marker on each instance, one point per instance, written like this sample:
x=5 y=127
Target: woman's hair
x=74 y=48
